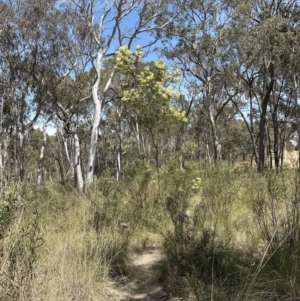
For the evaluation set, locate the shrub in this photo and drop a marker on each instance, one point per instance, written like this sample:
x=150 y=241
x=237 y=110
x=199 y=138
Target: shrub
x=203 y=247
x=20 y=243
x=277 y=209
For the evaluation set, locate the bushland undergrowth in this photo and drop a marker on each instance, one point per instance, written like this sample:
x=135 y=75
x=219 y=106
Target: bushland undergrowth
x=226 y=233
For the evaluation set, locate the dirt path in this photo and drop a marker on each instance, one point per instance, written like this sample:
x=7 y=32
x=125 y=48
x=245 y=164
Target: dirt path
x=145 y=284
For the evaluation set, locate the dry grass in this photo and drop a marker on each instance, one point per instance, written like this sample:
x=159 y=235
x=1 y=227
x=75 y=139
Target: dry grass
x=72 y=261
x=223 y=247
x=291 y=159
x=69 y=266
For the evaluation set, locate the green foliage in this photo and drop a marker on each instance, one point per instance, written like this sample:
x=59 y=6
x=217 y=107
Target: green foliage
x=20 y=246
x=226 y=233
x=200 y=247
x=236 y=238
x=275 y=203
x=135 y=202
x=9 y=203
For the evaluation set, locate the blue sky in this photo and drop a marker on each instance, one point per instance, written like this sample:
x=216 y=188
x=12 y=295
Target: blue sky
x=128 y=25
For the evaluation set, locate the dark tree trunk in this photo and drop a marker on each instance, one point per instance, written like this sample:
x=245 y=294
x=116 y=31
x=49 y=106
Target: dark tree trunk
x=263 y=119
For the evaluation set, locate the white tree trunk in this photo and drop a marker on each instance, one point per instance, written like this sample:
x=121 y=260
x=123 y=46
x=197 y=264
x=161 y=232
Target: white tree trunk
x=40 y=166
x=110 y=15
x=119 y=166
x=94 y=135
x=208 y=154
x=77 y=163
x=296 y=105
x=120 y=150
x=217 y=145
x=96 y=119
x=50 y=176
x=67 y=153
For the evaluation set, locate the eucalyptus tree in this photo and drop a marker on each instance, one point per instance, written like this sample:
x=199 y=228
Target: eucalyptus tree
x=294 y=26
x=280 y=116
x=68 y=103
x=106 y=29
x=198 y=43
x=18 y=64
x=264 y=37
x=33 y=46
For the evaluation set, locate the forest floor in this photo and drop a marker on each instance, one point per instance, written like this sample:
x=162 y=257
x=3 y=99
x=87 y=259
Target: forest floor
x=145 y=282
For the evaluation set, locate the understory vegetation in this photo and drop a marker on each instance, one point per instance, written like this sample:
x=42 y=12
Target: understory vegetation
x=226 y=234
x=135 y=125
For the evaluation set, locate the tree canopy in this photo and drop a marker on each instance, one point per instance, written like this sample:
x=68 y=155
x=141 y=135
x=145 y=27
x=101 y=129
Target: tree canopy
x=222 y=70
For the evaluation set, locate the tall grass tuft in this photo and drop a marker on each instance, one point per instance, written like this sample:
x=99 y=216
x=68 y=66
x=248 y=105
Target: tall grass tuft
x=204 y=246
x=54 y=246
x=233 y=234
x=21 y=239
x=227 y=234
x=276 y=204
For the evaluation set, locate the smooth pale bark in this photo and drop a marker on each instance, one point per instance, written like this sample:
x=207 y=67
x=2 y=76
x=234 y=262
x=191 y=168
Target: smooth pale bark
x=251 y=128
x=295 y=82
x=269 y=148
x=208 y=154
x=101 y=52
x=217 y=145
x=114 y=12
x=67 y=153
x=40 y=166
x=284 y=135
x=210 y=99
x=50 y=176
x=77 y=162
x=137 y=135
x=96 y=122
x=206 y=80
x=143 y=138
x=119 y=166
x=96 y=119
x=295 y=76
x=120 y=172
x=76 y=147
